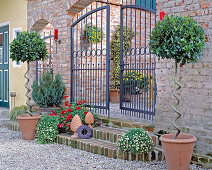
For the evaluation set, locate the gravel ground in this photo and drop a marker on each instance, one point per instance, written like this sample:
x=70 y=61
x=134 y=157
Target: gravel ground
x=16 y=153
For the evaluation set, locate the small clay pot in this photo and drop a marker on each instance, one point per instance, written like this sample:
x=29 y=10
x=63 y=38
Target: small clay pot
x=178 y=151
x=114 y=95
x=28 y=125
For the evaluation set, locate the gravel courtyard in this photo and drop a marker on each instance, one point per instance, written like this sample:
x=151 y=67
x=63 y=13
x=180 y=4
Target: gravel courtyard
x=18 y=154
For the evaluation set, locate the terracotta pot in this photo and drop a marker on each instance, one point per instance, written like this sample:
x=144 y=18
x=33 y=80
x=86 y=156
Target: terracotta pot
x=28 y=125
x=178 y=151
x=114 y=95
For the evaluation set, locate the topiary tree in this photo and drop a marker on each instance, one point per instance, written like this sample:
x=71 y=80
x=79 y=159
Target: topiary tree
x=49 y=91
x=27 y=47
x=179 y=38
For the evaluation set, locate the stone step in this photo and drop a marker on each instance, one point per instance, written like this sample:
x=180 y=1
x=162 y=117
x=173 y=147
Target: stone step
x=113 y=134
x=4 y=112
x=125 y=124
x=101 y=146
x=107 y=149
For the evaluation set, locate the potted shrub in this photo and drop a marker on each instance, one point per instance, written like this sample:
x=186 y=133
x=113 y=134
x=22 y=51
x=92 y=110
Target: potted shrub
x=182 y=39
x=27 y=47
x=134 y=84
x=48 y=92
x=115 y=52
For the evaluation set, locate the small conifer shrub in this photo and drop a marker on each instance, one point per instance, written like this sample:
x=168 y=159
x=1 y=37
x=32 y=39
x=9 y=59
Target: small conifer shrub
x=49 y=91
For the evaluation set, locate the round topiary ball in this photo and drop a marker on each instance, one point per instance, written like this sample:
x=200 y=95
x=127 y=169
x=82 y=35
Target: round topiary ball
x=179 y=38
x=136 y=141
x=28 y=46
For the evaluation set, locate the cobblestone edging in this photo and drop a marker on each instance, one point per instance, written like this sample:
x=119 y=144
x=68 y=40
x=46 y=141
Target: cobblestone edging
x=103 y=143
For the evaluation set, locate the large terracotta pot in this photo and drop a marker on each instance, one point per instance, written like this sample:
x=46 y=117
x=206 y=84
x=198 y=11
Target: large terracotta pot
x=28 y=125
x=178 y=151
x=114 y=95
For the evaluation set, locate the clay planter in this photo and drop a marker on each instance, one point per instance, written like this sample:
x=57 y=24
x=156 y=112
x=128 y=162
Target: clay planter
x=28 y=125
x=178 y=151
x=114 y=95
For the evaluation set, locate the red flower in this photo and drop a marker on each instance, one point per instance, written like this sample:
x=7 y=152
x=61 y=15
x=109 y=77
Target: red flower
x=67 y=125
x=69 y=117
x=64 y=121
x=60 y=125
x=69 y=110
x=69 y=105
x=66 y=97
x=54 y=112
x=80 y=102
x=55 y=106
x=62 y=116
x=78 y=108
x=85 y=113
x=63 y=112
x=84 y=101
x=66 y=103
x=99 y=124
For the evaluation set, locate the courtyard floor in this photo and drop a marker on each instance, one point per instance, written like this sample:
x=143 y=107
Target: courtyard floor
x=16 y=153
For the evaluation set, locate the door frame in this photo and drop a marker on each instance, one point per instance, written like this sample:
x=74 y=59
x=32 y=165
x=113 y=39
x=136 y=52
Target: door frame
x=3 y=24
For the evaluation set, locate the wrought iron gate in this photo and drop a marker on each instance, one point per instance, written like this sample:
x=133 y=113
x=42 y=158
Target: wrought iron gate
x=137 y=65
x=90 y=57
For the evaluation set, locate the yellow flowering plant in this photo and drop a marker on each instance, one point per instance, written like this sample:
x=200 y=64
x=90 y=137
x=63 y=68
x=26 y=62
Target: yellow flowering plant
x=135 y=82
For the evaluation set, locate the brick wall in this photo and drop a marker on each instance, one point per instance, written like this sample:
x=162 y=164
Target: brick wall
x=42 y=12
x=196 y=80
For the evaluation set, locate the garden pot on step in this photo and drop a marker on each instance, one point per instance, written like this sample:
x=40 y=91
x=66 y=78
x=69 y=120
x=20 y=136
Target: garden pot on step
x=114 y=95
x=28 y=125
x=178 y=151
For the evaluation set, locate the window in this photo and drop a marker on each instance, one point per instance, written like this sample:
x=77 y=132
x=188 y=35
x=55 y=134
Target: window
x=148 y=2
x=16 y=31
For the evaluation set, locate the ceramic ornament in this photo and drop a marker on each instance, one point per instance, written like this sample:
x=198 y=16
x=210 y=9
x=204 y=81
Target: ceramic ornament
x=89 y=119
x=75 y=124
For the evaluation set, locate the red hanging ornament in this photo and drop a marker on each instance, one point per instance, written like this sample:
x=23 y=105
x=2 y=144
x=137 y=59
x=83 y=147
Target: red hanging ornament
x=162 y=14
x=56 y=34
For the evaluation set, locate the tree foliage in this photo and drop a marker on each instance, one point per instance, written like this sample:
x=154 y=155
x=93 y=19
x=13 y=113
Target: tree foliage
x=28 y=46
x=179 y=38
